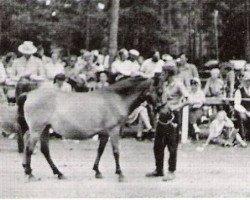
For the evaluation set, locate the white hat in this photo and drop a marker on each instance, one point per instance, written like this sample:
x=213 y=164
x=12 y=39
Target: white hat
x=167 y=57
x=27 y=48
x=134 y=52
x=238 y=64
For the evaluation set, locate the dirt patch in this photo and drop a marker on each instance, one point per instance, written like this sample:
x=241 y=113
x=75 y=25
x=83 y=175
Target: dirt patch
x=216 y=172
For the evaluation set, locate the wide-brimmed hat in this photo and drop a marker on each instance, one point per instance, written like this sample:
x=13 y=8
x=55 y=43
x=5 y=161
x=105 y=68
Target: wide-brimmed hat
x=27 y=48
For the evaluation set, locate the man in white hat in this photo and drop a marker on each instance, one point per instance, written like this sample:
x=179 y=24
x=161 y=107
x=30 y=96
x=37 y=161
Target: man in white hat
x=242 y=107
x=28 y=65
x=152 y=65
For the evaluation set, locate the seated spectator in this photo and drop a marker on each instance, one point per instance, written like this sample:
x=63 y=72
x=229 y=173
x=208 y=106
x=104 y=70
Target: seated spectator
x=54 y=66
x=222 y=132
x=152 y=65
x=102 y=80
x=3 y=77
x=121 y=67
x=61 y=84
x=133 y=61
x=228 y=75
x=242 y=106
x=215 y=85
x=96 y=61
x=8 y=62
x=28 y=65
x=196 y=98
x=40 y=54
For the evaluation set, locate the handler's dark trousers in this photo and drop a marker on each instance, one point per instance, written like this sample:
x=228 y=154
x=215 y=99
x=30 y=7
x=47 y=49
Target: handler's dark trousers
x=166 y=135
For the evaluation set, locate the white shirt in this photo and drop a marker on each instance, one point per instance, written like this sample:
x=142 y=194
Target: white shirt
x=216 y=127
x=197 y=98
x=149 y=68
x=52 y=69
x=126 y=68
x=33 y=66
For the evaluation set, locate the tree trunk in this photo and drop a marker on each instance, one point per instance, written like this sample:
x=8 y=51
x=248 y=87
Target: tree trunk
x=113 y=30
x=248 y=31
x=87 y=39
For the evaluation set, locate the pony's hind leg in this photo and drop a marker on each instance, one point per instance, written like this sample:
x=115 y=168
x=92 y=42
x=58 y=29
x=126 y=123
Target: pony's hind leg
x=30 y=143
x=115 y=146
x=45 y=150
x=103 y=139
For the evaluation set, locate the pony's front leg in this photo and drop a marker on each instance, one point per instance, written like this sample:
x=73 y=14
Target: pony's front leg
x=30 y=143
x=103 y=139
x=114 y=137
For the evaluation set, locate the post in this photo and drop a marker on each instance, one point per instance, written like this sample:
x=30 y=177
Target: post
x=184 y=128
x=113 y=30
x=216 y=13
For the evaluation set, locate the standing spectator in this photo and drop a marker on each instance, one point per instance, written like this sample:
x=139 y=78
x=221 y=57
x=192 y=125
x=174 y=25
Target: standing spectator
x=228 y=74
x=196 y=99
x=8 y=64
x=28 y=65
x=152 y=65
x=187 y=71
x=54 y=67
x=214 y=85
x=96 y=61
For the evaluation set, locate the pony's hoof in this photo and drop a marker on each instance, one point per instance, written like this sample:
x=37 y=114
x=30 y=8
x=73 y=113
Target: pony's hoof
x=121 y=178
x=98 y=175
x=61 y=177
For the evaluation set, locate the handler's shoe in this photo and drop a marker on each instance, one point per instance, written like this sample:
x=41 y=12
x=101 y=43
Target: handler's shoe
x=154 y=174
x=169 y=177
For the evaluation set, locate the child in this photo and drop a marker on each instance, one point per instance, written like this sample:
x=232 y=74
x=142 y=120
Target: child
x=222 y=131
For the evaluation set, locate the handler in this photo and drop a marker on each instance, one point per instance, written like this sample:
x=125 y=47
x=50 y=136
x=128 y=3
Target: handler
x=167 y=131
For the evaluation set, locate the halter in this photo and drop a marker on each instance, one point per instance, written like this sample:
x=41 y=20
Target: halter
x=166 y=123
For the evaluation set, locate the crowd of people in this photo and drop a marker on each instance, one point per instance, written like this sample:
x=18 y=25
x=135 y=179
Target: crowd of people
x=91 y=71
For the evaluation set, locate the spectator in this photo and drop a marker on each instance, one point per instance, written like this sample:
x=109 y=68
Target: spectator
x=222 y=132
x=8 y=64
x=121 y=67
x=196 y=99
x=96 y=61
x=102 y=80
x=228 y=74
x=242 y=107
x=3 y=77
x=133 y=61
x=40 y=54
x=28 y=65
x=187 y=71
x=59 y=83
x=215 y=85
x=54 y=67
x=152 y=65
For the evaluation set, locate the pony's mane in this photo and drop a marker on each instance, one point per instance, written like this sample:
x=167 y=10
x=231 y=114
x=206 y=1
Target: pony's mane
x=129 y=85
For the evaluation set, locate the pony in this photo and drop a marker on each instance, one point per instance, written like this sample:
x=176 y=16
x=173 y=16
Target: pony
x=81 y=115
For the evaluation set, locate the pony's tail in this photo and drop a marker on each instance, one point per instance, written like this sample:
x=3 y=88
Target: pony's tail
x=20 y=112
